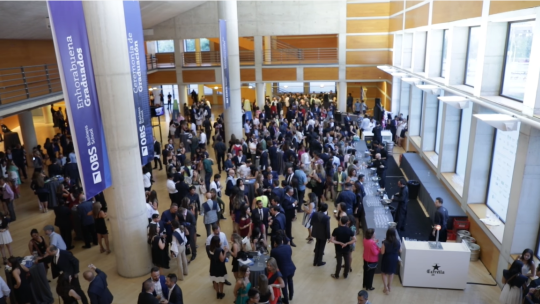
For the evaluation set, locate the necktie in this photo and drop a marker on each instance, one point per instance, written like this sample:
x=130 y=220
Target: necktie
x=55 y=259
x=261 y=213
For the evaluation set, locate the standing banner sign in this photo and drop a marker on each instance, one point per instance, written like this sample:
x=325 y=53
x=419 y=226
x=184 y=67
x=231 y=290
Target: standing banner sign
x=80 y=94
x=137 y=63
x=224 y=63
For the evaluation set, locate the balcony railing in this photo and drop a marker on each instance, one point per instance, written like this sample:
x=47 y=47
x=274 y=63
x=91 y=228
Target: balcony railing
x=301 y=56
x=25 y=82
x=213 y=58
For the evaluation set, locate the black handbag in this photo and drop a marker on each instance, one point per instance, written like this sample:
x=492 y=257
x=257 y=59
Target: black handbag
x=372 y=266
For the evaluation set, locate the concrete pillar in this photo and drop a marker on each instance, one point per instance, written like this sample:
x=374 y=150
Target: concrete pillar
x=127 y=210
x=182 y=97
x=201 y=90
x=449 y=138
x=429 y=127
x=396 y=94
x=524 y=197
x=306 y=88
x=267 y=48
x=406 y=51
x=227 y=10
x=479 y=156
x=404 y=99
x=28 y=133
x=258 y=51
x=415 y=111
x=215 y=96
x=342 y=97
x=47 y=115
x=260 y=95
x=269 y=90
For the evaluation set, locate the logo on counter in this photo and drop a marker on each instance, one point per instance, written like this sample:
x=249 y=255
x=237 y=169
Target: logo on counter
x=435 y=270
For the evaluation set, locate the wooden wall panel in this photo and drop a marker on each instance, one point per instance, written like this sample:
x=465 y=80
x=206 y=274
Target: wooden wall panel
x=496 y=7
x=447 y=11
x=489 y=254
x=396 y=6
x=412 y=3
x=389 y=89
x=248 y=93
x=198 y=76
x=391 y=41
x=279 y=74
x=417 y=17
x=321 y=74
x=165 y=57
x=368 y=9
x=395 y=23
x=368 y=42
x=311 y=41
x=15 y=53
x=367 y=57
x=162 y=77
x=366 y=73
x=367 y=26
x=247 y=74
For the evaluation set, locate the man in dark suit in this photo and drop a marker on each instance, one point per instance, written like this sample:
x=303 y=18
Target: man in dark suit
x=157 y=280
x=186 y=218
x=146 y=296
x=277 y=222
x=157 y=155
x=278 y=191
x=61 y=261
x=272 y=153
x=283 y=255
x=348 y=197
x=268 y=184
x=289 y=176
x=380 y=165
x=175 y=293
x=320 y=223
x=87 y=222
x=402 y=198
x=260 y=213
x=63 y=221
x=440 y=219
x=274 y=201
x=98 y=292
x=289 y=204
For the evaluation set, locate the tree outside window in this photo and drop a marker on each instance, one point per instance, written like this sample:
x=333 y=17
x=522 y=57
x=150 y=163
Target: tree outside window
x=165 y=46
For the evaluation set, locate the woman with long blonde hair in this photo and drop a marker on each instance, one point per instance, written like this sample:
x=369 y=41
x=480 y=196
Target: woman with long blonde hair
x=101 y=228
x=236 y=247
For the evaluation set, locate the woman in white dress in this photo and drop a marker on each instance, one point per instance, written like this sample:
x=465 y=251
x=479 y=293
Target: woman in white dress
x=309 y=209
x=5 y=237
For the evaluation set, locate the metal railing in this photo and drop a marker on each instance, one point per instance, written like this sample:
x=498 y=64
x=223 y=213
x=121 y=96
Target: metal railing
x=151 y=62
x=214 y=58
x=300 y=56
x=25 y=82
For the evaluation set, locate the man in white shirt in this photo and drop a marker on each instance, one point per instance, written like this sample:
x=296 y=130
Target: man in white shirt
x=202 y=139
x=364 y=126
x=209 y=210
x=216 y=184
x=4 y=291
x=55 y=238
x=244 y=170
x=171 y=187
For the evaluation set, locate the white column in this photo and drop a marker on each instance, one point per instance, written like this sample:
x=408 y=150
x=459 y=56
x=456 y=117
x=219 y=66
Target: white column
x=342 y=97
x=260 y=95
x=342 y=57
x=182 y=97
x=28 y=132
x=47 y=115
x=227 y=10
x=127 y=210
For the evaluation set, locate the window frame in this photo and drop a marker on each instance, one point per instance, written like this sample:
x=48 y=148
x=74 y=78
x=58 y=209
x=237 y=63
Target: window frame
x=489 y=174
x=467 y=57
x=444 y=50
x=508 y=28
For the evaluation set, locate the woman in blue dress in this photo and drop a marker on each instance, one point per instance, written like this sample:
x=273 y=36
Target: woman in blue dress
x=390 y=250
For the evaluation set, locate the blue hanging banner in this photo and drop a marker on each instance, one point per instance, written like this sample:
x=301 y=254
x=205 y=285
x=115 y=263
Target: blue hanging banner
x=80 y=94
x=224 y=64
x=139 y=81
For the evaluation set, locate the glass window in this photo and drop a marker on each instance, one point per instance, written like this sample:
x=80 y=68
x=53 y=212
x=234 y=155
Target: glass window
x=189 y=45
x=444 y=53
x=205 y=45
x=472 y=55
x=439 y=126
x=463 y=144
x=165 y=46
x=324 y=87
x=502 y=170
x=516 y=65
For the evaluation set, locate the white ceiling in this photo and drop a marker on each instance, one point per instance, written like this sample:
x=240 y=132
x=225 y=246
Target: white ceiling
x=28 y=19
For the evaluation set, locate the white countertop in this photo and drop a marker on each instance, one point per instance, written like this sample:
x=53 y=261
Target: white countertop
x=415 y=245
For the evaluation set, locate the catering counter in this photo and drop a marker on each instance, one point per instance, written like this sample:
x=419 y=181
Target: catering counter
x=434 y=268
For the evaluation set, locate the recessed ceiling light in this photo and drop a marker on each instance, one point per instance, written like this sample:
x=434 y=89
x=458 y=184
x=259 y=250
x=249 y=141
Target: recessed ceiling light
x=215 y=88
x=250 y=87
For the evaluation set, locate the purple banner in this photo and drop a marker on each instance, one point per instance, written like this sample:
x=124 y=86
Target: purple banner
x=80 y=94
x=224 y=63
x=137 y=63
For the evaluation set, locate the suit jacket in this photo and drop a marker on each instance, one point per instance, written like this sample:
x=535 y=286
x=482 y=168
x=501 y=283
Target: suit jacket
x=267 y=184
x=255 y=214
x=279 y=192
x=278 y=223
x=287 y=202
x=283 y=256
x=287 y=176
x=62 y=219
x=164 y=287
x=83 y=210
x=66 y=263
x=176 y=295
x=272 y=152
x=98 y=291
x=146 y=298
x=320 y=223
x=403 y=197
